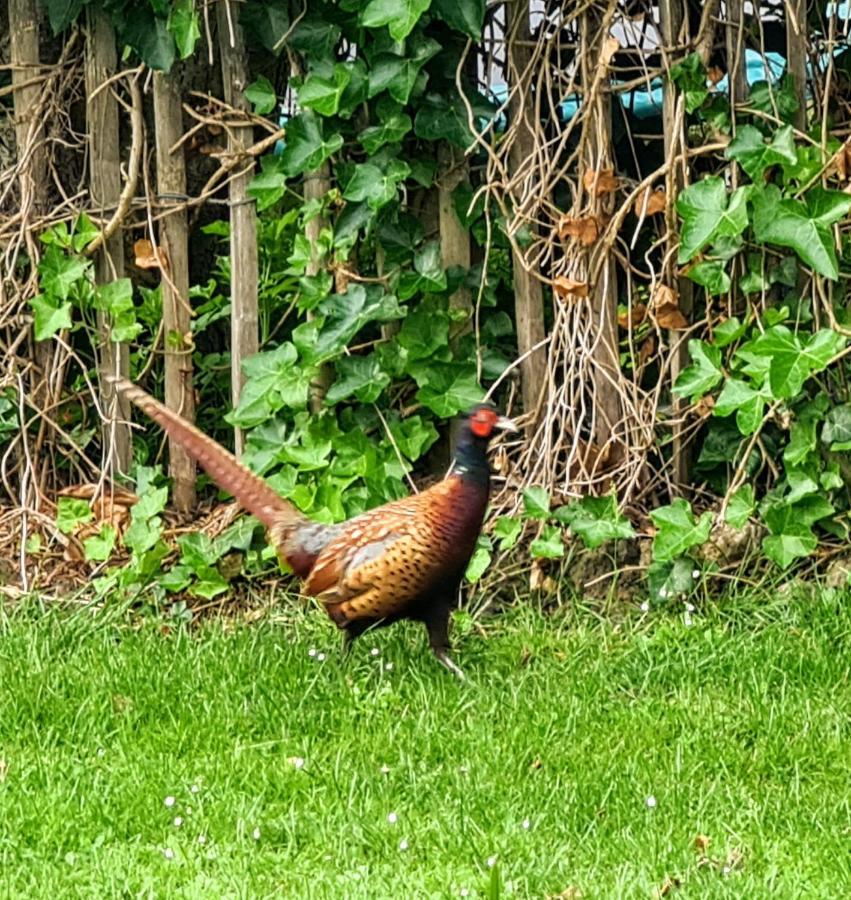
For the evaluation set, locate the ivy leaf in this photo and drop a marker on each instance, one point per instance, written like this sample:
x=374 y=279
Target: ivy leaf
x=754 y=280
x=827 y=207
x=690 y=77
x=306 y=146
x=793 y=362
x=441 y=118
x=741 y=507
x=670 y=578
x=710 y=274
x=390 y=131
x=60 y=272
x=116 y=299
x=197 y=550
x=789 y=223
x=413 y=436
x=448 y=388
x=99 y=547
x=266 y=22
x=428 y=275
x=466 y=16
x=754 y=155
x=703 y=374
x=377 y=188
x=183 y=24
x=708 y=214
x=480 y=559
x=273 y=381
x=837 y=427
x=677 y=530
x=149 y=36
x=399 y=15
x=507 y=531
x=323 y=88
x=728 y=331
x=596 y=520
x=536 y=502
x=71 y=512
x=49 y=319
x=785 y=548
x=62 y=13
x=358 y=375
x=748 y=404
x=261 y=95
x=549 y=545
x=85 y=231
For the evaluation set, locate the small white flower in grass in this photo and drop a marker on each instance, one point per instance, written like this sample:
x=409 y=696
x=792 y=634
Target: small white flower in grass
x=385 y=770
x=320 y=657
x=374 y=652
x=311 y=651
x=726 y=870
x=389 y=667
x=690 y=607
x=403 y=845
x=663 y=592
x=650 y=802
x=463 y=769
x=188 y=810
x=491 y=862
x=195 y=788
x=168 y=853
x=202 y=838
x=464 y=892
x=391 y=818
x=169 y=801
x=645 y=607
x=695 y=573
x=687 y=620
x=297 y=762
x=527 y=824
x=256 y=834
x=178 y=821
x=101 y=752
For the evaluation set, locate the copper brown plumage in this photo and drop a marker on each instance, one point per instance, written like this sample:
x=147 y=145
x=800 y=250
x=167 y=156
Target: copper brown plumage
x=402 y=560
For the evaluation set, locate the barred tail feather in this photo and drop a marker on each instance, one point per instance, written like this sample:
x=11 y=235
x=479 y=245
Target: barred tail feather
x=220 y=464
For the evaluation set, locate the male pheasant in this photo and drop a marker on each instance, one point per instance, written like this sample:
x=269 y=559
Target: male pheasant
x=403 y=560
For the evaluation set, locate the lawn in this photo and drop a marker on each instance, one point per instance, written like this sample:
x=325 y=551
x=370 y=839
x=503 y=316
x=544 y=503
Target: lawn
x=232 y=759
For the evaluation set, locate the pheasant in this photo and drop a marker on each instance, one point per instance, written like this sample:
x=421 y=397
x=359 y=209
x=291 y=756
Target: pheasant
x=403 y=560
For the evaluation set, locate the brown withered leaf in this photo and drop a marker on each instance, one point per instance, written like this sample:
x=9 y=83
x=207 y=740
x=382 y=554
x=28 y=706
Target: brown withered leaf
x=603 y=182
x=714 y=74
x=634 y=316
x=585 y=229
x=610 y=47
x=571 y=892
x=651 y=202
x=702 y=842
x=148 y=258
x=666 y=310
x=705 y=405
x=672 y=882
x=842 y=161
x=646 y=351
x=568 y=289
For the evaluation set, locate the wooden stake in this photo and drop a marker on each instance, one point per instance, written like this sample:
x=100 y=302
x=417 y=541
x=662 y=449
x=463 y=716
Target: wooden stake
x=528 y=291
x=173 y=247
x=454 y=238
x=316 y=185
x=245 y=337
x=105 y=190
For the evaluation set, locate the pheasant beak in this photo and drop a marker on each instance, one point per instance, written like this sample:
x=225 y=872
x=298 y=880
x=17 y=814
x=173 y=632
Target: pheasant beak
x=505 y=424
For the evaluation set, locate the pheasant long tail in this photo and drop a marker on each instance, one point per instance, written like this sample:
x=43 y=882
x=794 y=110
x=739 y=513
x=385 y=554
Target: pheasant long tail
x=220 y=464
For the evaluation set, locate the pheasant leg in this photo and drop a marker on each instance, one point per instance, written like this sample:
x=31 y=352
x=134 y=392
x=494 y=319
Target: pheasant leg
x=437 y=623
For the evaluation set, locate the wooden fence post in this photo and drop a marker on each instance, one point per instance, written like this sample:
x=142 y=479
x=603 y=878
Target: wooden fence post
x=245 y=338
x=104 y=191
x=454 y=238
x=528 y=290
x=316 y=186
x=174 y=263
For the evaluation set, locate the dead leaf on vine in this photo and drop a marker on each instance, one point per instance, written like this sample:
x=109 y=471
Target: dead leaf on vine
x=714 y=74
x=842 y=161
x=666 y=310
x=610 y=47
x=586 y=229
x=633 y=316
x=146 y=257
x=566 y=288
x=704 y=406
x=598 y=183
x=646 y=351
x=651 y=202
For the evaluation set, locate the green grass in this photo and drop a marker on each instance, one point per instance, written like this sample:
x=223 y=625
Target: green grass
x=738 y=726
